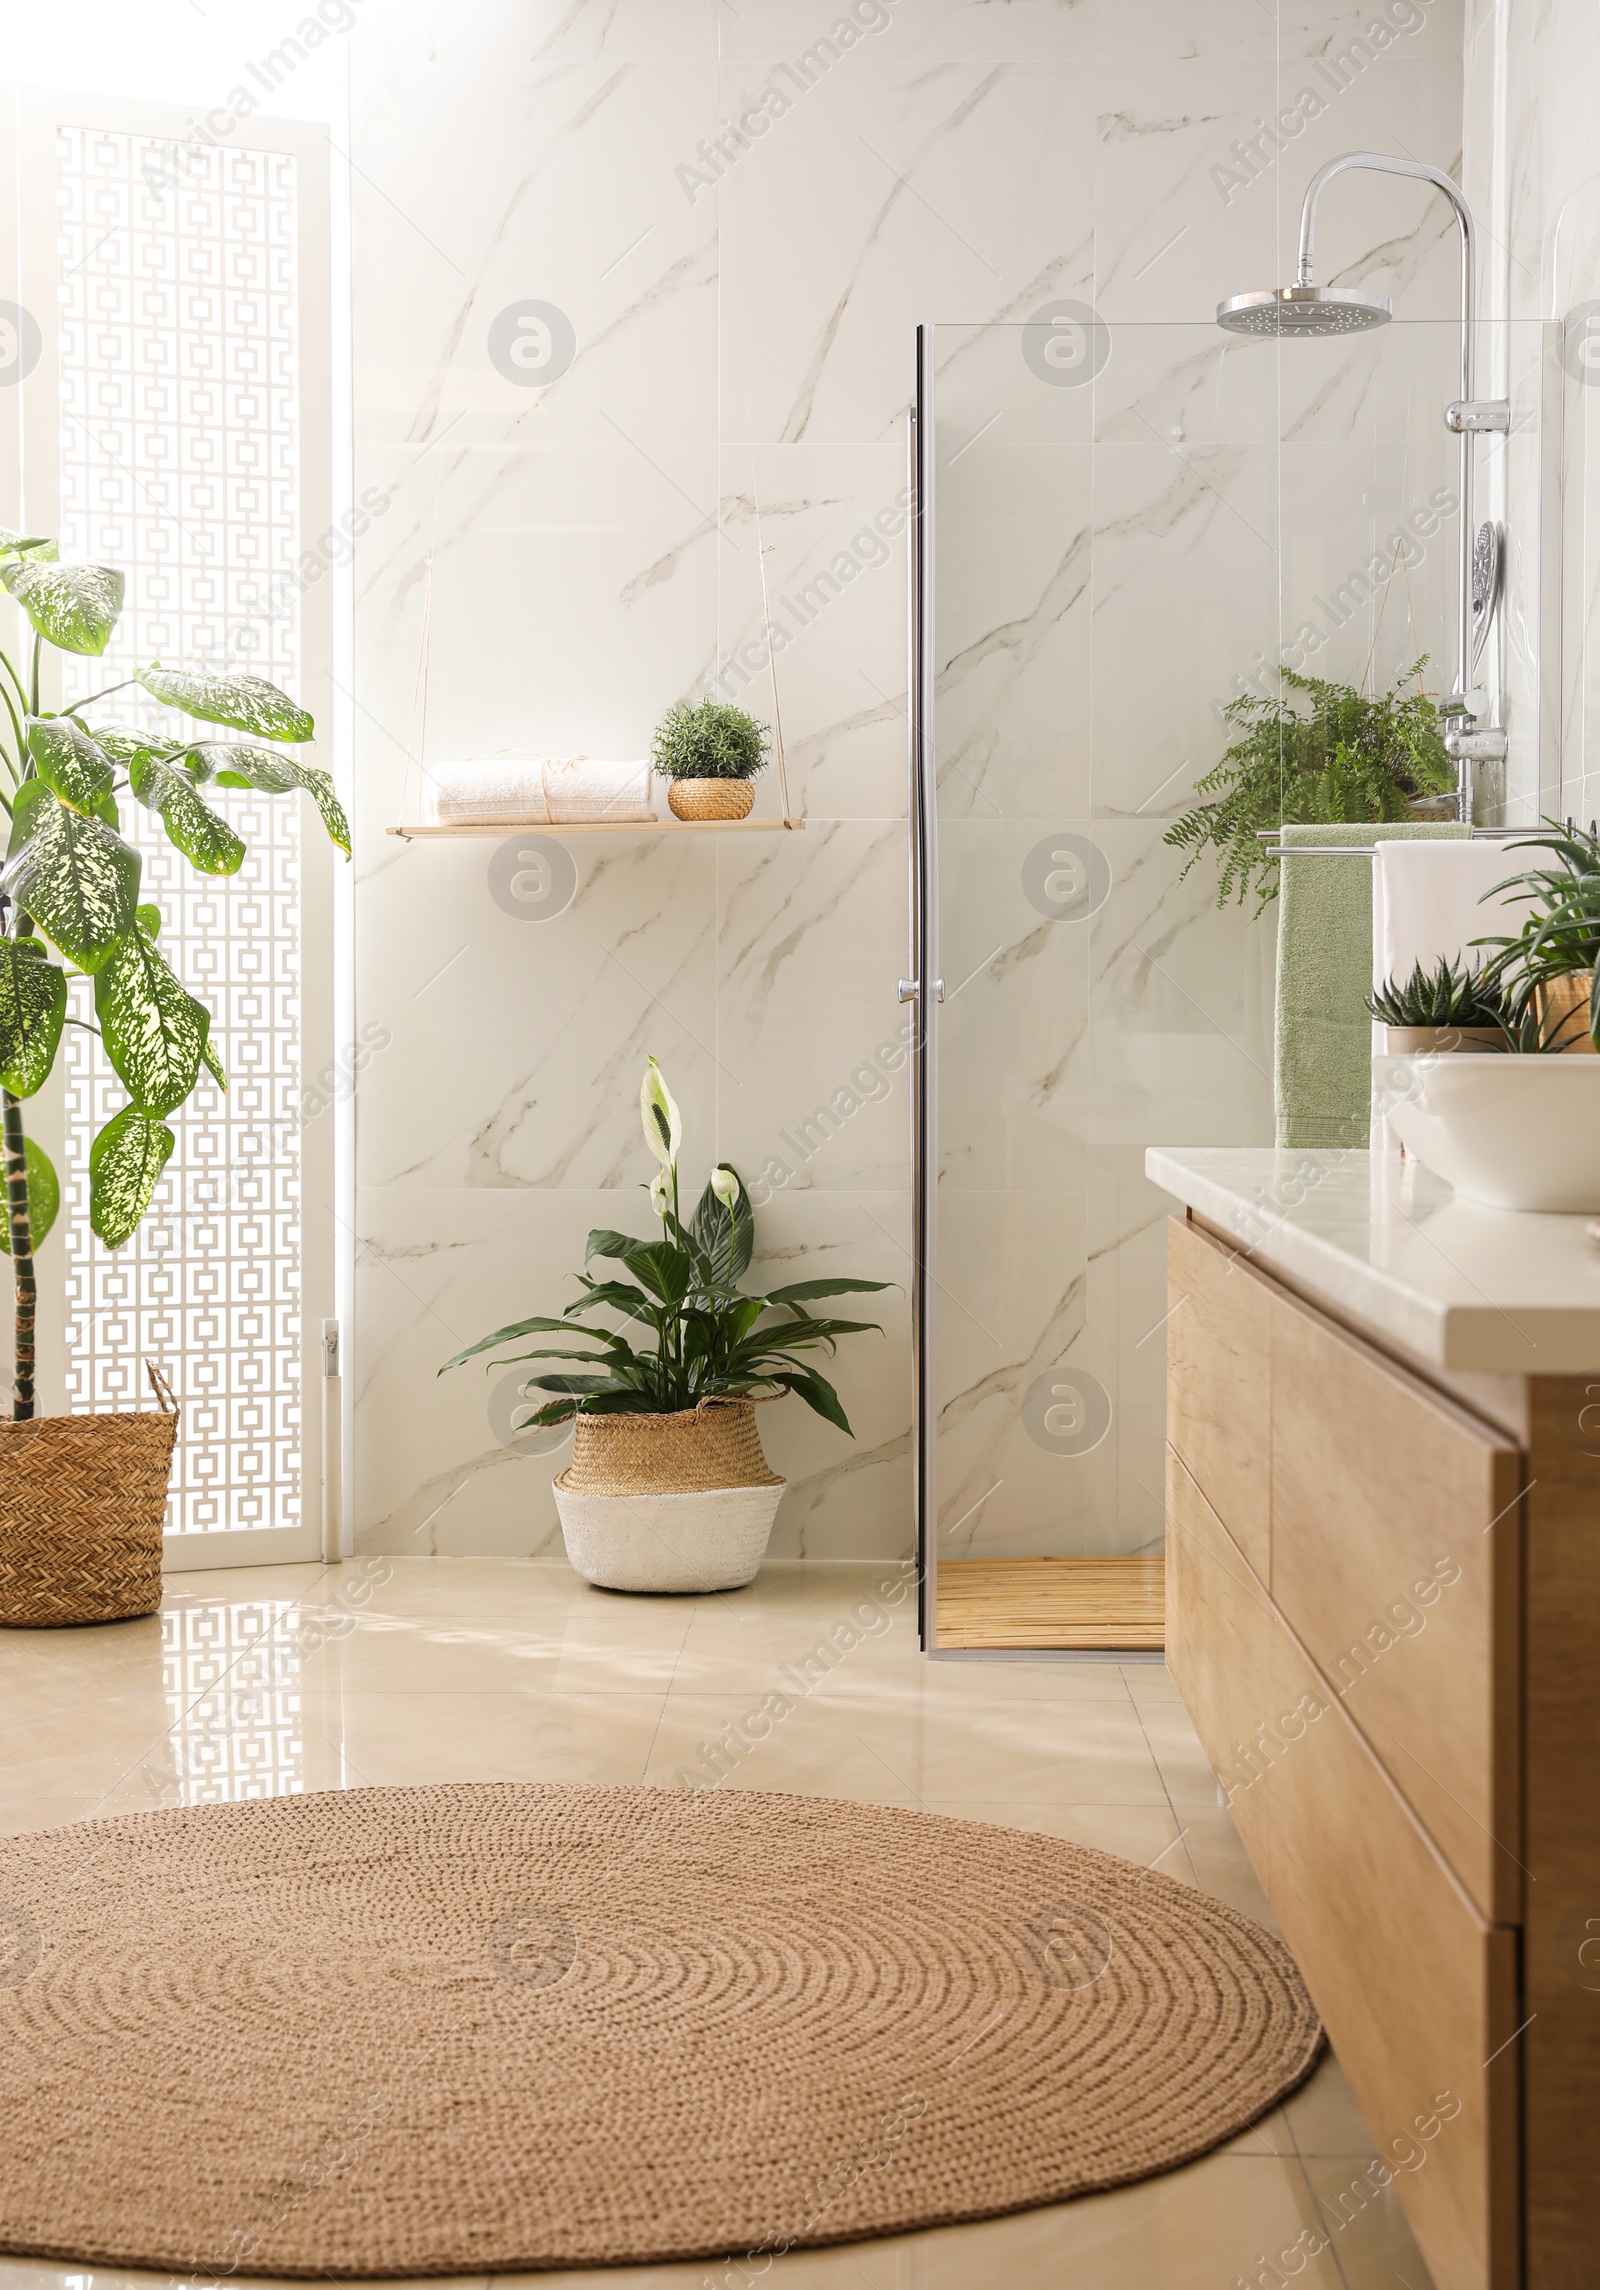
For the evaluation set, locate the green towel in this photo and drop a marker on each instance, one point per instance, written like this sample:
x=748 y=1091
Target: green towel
x=1322 y=1038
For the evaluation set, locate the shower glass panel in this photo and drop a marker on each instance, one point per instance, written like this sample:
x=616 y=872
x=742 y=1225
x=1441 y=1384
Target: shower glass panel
x=1122 y=529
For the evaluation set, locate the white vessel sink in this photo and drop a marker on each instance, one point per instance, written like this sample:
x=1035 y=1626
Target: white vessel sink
x=1512 y=1132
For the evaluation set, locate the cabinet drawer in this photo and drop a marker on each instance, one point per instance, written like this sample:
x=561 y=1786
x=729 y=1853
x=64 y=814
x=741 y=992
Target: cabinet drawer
x=1395 y=1557
x=1219 y=1362
x=1416 y=1990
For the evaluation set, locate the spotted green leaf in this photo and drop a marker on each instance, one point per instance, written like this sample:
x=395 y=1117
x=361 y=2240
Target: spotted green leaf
x=207 y=842
x=213 y=1063
x=33 y=1009
x=25 y=806
x=125 y=1165
x=44 y=1199
x=244 y=703
x=126 y=747
x=33 y=545
x=73 y=607
x=153 y=1029
x=69 y=762
x=272 y=773
x=77 y=878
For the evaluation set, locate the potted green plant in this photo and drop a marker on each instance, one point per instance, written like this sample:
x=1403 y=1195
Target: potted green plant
x=668 y=1488
x=1553 y=963
x=710 y=752
x=1347 y=760
x=1451 y=1007
x=1522 y=1131
x=69 y=900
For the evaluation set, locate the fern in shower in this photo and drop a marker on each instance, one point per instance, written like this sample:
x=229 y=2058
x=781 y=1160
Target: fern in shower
x=1341 y=759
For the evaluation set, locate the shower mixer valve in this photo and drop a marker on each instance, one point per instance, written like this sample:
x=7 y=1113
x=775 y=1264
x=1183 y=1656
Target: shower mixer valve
x=1487 y=745
x=1467 y=416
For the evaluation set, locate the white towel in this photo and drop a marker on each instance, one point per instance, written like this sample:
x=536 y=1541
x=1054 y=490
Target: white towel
x=1425 y=903
x=486 y=791
x=535 y=791
x=581 y=788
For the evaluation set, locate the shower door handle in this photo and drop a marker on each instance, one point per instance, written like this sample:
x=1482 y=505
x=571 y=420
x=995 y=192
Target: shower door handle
x=910 y=988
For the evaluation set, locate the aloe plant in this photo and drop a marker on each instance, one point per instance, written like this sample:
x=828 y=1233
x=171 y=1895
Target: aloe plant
x=709 y=1338
x=1448 y=995
x=70 y=889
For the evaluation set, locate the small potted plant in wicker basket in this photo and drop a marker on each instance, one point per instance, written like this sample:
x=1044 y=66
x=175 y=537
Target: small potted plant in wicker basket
x=668 y=1488
x=710 y=752
x=83 y=1497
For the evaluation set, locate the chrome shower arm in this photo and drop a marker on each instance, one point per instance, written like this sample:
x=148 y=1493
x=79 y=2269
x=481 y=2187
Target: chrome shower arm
x=1381 y=163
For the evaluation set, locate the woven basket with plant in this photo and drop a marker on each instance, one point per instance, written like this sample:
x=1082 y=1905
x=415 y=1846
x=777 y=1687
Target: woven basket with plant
x=82 y=1502
x=710 y=752
x=80 y=1522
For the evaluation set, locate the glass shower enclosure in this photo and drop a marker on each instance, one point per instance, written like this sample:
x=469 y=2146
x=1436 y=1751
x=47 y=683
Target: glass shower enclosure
x=1118 y=530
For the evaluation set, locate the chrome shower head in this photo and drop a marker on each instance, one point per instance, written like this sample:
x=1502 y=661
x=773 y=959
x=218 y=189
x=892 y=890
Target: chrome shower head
x=1303 y=311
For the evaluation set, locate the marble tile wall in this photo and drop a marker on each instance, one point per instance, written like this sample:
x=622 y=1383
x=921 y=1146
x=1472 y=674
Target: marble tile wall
x=742 y=339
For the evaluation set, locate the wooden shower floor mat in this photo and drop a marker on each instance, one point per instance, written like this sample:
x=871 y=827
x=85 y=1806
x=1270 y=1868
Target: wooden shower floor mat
x=1052 y=1605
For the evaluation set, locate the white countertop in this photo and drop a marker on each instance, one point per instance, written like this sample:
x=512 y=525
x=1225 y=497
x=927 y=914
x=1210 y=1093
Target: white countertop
x=1393 y=1250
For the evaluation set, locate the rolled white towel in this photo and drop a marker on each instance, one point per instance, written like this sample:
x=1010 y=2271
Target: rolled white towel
x=582 y=788
x=486 y=791
x=536 y=791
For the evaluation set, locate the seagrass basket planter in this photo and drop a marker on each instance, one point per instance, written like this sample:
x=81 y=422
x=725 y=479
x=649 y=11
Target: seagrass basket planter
x=711 y=798
x=82 y=1502
x=680 y=1502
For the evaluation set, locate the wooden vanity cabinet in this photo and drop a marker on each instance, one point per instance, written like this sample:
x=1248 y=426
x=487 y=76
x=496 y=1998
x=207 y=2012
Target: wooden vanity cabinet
x=1384 y=1617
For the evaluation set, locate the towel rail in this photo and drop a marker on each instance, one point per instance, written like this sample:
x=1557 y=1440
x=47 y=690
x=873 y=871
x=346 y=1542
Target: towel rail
x=1369 y=850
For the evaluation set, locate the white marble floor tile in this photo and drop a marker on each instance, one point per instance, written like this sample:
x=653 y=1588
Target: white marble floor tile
x=403 y=1671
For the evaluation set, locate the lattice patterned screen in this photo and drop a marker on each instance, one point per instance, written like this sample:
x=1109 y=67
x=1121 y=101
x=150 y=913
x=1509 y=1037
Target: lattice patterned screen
x=180 y=464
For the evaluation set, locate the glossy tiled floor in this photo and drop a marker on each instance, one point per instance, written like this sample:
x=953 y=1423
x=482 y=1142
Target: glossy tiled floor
x=290 y=1678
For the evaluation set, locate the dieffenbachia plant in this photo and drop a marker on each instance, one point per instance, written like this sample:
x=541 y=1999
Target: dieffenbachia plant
x=70 y=888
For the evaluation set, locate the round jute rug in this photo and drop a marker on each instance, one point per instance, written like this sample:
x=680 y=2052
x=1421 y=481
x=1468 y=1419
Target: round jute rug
x=459 y=2029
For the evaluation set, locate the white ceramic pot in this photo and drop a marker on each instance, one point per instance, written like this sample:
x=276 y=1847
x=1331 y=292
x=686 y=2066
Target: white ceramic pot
x=709 y=1541
x=1513 y=1132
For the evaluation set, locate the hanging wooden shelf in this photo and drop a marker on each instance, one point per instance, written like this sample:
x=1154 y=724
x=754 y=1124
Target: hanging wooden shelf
x=498 y=830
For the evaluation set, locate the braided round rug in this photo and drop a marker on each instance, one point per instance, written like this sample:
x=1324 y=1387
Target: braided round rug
x=462 y=2029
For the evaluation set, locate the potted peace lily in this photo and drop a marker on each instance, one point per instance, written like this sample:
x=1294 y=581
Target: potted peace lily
x=71 y=1547
x=668 y=1488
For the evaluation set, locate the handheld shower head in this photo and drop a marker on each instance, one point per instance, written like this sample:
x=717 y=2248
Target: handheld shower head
x=1301 y=311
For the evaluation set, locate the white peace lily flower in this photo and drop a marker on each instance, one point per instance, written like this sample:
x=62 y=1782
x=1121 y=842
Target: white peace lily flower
x=661 y=1193
x=725 y=1184
x=663 y=1123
